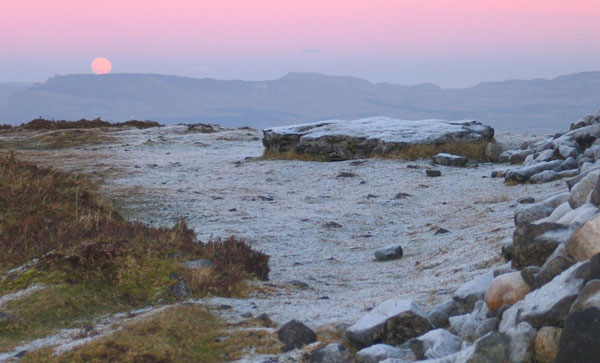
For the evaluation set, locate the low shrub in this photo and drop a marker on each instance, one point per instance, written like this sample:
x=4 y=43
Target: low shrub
x=43 y=124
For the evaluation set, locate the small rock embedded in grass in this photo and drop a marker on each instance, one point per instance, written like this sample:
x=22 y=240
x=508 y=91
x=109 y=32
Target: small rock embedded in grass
x=179 y=290
x=295 y=334
x=389 y=253
x=197 y=264
x=526 y=200
x=7 y=318
x=433 y=173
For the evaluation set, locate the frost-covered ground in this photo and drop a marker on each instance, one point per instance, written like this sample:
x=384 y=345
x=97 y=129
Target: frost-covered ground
x=285 y=208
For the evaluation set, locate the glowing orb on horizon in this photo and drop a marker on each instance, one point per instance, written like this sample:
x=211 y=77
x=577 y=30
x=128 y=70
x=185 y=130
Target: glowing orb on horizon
x=101 y=66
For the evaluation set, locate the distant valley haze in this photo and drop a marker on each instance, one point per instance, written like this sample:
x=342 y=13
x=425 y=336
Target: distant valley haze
x=538 y=105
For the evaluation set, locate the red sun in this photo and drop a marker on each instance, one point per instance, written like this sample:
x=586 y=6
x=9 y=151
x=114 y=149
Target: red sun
x=101 y=66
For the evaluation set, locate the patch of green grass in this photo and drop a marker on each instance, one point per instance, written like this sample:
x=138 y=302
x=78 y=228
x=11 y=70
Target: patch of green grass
x=185 y=333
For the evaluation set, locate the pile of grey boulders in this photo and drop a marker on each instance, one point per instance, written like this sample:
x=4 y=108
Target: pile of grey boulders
x=543 y=305
x=565 y=155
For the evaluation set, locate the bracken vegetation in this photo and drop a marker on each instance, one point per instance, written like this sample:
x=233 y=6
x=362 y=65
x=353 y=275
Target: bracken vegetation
x=93 y=261
x=43 y=124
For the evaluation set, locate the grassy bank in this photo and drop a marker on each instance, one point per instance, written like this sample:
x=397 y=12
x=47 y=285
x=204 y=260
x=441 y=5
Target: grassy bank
x=92 y=262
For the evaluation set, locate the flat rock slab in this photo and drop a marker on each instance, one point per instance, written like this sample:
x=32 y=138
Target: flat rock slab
x=373 y=136
x=449 y=159
x=392 y=322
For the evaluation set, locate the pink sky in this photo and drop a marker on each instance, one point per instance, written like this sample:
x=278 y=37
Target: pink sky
x=297 y=35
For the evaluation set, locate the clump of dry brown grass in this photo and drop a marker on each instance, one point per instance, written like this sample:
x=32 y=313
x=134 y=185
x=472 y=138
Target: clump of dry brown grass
x=61 y=219
x=43 y=124
x=472 y=151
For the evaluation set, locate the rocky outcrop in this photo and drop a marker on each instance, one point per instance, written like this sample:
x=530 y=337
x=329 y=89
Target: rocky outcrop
x=295 y=334
x=374 y=136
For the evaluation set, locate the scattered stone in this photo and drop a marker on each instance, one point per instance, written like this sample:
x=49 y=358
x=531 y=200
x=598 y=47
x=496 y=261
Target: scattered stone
x=433 y=173
x=331 y=225
x=393 y=322
x=247 y=315
x=197 y=264
x=546 y=344
x=345 y=174
x=506 y=289
x=471 y=292
x=503 y=269
x=556 y=215
x=402 y=195
x=179 y=290
x=379 y=352
x=498 y=173
x=569 y=163
x=388 y=253
x=528 y=275
x=585 y=242
x=579 y=338
x=299 y=284
x=294 y=334
x=437 y=343
x=526 y=200
x=449 y=159
x=441 y=231
x=534 y=243
x=330 y=353
x=492 y=152
x=21 y=354
x=545 y=155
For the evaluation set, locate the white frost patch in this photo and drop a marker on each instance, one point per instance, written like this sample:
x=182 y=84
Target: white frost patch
x=20 y=294
x=386 y=129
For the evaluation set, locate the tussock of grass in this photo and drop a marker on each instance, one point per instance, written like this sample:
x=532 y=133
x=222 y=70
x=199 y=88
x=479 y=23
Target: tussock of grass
x=472 y=151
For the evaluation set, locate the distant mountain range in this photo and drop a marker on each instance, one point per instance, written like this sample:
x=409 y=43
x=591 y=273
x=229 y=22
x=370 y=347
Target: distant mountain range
x=539 y=105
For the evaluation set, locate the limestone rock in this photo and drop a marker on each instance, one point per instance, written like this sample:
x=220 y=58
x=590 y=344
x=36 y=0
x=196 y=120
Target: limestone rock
x=534 y=243
x=471 y=292
x=588 y=297
x=379 y=352
x=579 y=216
x=494 y=347
x=492 y=152
x=579 y=338
x=368 y=137
x=556 y=214
x=506 y=289
x=439 y=315
x=523 y=174
x=437 y=343
x=392 y=252
x=586 y=241
x=433 y=173
x=546 y=344
x=544 y=177
x=295 y=334
x=522 y=342
x=558 y=262
x=548 y=305
x=331 y=353
x=449 y=159
x=531 y=213
x=465 y=326
x=393 y=322
x=582 y=189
